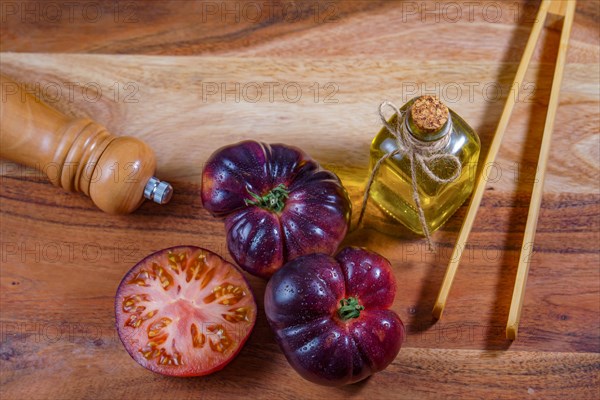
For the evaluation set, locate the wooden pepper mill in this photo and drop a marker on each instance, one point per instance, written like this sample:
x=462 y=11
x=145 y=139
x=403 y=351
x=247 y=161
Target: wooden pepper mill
x=79 y=155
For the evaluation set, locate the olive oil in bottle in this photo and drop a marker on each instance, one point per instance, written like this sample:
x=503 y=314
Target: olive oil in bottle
x=449 y=150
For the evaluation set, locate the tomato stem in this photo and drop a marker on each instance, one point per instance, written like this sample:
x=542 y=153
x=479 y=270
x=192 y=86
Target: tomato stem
x=274 y=200
x=349 y=308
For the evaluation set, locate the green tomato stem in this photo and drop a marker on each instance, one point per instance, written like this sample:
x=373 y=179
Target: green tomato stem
x=274 y=200
x=349 y=308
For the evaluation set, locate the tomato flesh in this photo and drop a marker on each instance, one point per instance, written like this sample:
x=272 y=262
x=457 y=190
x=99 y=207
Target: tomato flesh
x=184 y=311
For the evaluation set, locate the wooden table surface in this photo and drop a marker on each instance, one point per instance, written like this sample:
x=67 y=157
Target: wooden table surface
x=188 y=77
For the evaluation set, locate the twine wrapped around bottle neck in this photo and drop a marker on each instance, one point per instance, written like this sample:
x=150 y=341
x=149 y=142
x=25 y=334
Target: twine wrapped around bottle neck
x=420 y=153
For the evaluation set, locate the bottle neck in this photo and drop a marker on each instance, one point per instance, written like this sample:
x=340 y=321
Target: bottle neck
x=427 y=136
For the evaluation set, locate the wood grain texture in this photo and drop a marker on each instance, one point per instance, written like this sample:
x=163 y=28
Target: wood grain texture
x=383 y=29
x=62 y=259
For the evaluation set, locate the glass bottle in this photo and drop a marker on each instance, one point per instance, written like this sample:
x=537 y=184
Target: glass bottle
x=429 y=124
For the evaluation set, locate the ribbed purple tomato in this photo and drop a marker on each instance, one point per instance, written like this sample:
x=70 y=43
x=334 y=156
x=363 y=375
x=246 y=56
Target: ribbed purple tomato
x=278 y=204
x=331 y=316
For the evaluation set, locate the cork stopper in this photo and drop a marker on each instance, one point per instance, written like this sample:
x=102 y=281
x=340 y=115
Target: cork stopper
x=428 y=114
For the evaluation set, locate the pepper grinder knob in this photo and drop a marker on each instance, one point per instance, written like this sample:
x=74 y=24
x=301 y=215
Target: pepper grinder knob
x=158 y=191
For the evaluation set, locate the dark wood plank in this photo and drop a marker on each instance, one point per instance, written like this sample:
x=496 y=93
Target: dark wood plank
x=58 y=250
x=383 y=29
x=62 y=260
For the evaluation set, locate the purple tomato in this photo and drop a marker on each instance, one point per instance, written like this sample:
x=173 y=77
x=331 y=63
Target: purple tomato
x=331 y=316
x=278 y=204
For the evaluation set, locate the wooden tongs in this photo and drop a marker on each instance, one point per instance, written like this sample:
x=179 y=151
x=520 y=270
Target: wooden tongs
x=561 y=8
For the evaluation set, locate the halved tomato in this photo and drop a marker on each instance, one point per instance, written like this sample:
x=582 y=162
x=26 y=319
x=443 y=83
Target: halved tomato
x=184 y=311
